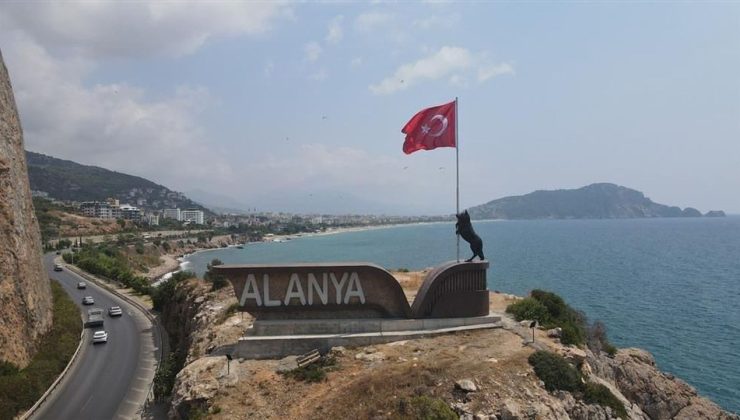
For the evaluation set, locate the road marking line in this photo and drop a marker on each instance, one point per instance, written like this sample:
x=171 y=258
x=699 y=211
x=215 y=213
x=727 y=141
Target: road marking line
x=86 y=402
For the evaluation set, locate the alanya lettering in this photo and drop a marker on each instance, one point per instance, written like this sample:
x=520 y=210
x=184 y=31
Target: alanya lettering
x=312 y=289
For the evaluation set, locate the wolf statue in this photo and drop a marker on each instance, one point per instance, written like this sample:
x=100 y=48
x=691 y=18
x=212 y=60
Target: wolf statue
x=464 y=228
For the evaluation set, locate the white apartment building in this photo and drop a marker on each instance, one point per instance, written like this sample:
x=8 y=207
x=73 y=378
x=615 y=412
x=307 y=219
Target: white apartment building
x=172 y=214
x=192 y=216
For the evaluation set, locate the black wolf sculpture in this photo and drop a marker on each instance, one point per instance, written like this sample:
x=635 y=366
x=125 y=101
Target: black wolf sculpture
x=464 y=228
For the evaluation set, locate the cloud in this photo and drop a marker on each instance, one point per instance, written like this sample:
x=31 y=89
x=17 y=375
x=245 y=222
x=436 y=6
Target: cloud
x=319 y=75
x=437 y=22
x=370 y=21
x=493 y=70
x=334 y=32
x=312 y=51
x=356 y=62
x=140 y=28
x=112 y=125
x=268 y=68
x=452 y=62
x=435 y=66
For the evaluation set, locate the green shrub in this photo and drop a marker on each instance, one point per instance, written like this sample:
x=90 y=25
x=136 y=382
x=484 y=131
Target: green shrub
x=529 y=308
x=555 y=372
x=107 y=261
x=7 y=368
x=555 y=304
x=571 y=333
x=310 y=373
x=598 y=341
x=424 y=407
x=164 y=379
x=558 y=374
x=551 y=311
x=217 y=281
x=599 y=394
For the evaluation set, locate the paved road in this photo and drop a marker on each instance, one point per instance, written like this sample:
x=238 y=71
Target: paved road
x=108 y=380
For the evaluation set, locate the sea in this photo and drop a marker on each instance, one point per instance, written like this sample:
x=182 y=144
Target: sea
x=670 y=286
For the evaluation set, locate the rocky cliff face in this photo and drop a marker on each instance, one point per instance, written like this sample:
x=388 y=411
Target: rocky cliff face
x=25 y=295
x=658 y=395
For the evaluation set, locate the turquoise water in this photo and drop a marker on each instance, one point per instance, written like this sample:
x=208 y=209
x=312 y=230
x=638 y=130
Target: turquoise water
x=671 y=286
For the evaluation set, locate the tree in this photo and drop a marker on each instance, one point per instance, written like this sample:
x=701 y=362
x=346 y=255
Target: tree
x=218 y=281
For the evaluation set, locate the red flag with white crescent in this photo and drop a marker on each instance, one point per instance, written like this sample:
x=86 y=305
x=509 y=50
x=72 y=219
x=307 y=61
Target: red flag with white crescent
x=431 y=128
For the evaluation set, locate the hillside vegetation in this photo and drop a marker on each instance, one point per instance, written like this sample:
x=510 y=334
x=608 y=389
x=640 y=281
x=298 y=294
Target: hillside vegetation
x=20 y=388
x=69 y=181
x=595 y=201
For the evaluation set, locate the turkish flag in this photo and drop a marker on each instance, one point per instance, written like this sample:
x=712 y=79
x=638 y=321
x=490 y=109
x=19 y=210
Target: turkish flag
x=431 y=128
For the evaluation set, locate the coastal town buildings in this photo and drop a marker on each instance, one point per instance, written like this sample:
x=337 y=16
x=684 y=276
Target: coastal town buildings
x=152 y=219
x=192 y=216
x=110 y=209
x=172 y=214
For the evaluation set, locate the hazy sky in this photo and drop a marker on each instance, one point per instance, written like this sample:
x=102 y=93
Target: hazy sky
x=287 y=106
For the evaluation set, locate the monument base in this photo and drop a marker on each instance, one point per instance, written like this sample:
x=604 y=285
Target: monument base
x=276 y=339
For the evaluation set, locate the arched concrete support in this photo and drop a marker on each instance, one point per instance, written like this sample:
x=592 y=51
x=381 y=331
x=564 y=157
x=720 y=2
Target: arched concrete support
x=316 y=291
x=454 y=289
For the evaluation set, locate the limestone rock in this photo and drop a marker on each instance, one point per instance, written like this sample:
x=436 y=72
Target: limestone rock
x=25 y=295
x=198 y=383
x=574 y=353
x=287 y=364
x=591 y=412
x=466 y=385
x=370 y=357
x=658 y=395
x=555 y=332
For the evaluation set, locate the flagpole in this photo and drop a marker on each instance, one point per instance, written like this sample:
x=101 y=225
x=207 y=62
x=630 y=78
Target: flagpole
x=457 y=173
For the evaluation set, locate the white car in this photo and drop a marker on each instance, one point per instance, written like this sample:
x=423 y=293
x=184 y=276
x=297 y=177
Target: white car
x=88 y=300
x=115 y=311
x=100 y=337
x=81 y=285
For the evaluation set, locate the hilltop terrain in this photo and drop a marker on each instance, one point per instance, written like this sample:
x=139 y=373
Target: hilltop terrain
x=595 y=201
x=484 y=374
x=70 y=181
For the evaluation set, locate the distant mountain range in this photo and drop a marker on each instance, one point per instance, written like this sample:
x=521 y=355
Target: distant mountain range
x=70 y=181
x=595 y=201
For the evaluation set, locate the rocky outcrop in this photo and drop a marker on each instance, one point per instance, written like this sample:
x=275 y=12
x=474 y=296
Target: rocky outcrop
x=690 y=212
x=25 y=295
x=479 y=375
x=715 y=213
x=659 y=395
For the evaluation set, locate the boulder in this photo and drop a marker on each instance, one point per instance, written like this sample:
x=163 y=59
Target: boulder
x=287 y=364
x=555 y=332
x=466 y=385
x=370 y=357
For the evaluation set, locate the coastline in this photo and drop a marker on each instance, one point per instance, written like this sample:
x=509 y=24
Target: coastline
x=174 y=261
